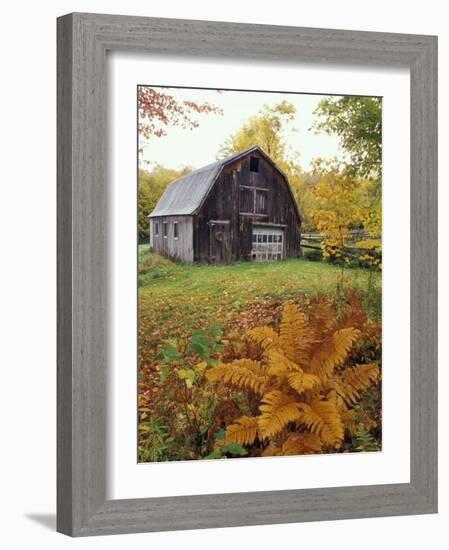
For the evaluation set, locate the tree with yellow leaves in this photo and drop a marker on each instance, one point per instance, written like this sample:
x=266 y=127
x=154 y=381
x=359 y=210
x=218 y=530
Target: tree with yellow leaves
x=340 y=204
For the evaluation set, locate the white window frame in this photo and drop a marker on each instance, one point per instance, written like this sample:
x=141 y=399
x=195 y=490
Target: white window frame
x=175 y=231
x=156 y=229
x=264 y=250
x=165 y=229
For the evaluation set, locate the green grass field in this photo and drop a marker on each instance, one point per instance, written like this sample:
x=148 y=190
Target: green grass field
x=176 y=298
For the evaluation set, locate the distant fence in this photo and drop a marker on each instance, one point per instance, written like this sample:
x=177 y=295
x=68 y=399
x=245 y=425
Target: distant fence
x=313 y=241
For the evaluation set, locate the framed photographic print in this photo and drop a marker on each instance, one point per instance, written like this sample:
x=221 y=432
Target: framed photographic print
x=246 y=274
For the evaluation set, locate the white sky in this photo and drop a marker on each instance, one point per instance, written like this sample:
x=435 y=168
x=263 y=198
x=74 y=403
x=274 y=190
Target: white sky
x=200 y=146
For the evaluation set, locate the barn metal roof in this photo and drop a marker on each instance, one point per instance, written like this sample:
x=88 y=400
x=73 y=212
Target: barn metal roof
x=186 y=195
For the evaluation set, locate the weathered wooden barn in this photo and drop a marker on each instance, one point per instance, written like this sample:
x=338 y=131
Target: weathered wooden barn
x=238 y=208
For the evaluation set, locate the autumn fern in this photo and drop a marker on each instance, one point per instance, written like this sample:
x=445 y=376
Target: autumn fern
x=303 y=382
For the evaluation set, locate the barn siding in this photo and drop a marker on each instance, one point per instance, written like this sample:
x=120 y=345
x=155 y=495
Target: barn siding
x=224 y=201
x=221 y=204
x=180 y=248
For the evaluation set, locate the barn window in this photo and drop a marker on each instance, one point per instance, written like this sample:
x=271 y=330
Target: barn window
x=156 y=229
x=267 y=243
x=253 y=164
x=165 y=229
x=261 y=201
x=175 y=230
x=253 y=200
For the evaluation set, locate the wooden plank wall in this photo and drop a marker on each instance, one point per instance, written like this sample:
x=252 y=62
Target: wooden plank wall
x=180 y=248
x=222 y=203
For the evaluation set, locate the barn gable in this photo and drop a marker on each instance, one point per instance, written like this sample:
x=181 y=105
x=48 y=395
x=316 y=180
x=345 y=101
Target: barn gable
x=186 y=195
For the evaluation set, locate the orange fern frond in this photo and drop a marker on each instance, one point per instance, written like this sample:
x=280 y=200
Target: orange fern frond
x=321 y=316
x=301 y=444
x=339 y=394
x=242 y=373
x=333 y=352
x=279 y=364
x=295 y=335
x=301 y=381
x=243 y=432
x=360 y=377
x=352 y=380
x=323 y=419
x=265 y=337
x=353 y=315
x=278 y=409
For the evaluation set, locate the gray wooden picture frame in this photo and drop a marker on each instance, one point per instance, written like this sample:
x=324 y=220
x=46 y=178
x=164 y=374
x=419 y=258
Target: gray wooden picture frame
x=83 y=40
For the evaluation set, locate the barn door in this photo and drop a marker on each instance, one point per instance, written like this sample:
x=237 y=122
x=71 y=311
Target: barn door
x=268 y=243
x=219 y=242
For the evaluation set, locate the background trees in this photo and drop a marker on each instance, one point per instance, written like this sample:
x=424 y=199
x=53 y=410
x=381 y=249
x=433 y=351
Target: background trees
x=358 y=123
x=264 y=130
x=159 y=110
x=150 y=188
x=352 y=191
